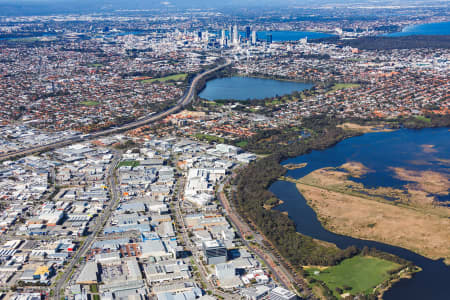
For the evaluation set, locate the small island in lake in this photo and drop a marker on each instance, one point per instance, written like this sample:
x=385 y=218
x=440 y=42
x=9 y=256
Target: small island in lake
x=295 y=166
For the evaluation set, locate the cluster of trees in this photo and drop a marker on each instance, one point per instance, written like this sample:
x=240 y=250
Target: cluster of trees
x=126 y=145
x=291 y=141
x=426 y=121
x=252 y=193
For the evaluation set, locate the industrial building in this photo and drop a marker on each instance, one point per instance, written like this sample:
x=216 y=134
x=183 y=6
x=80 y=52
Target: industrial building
x=215 y=252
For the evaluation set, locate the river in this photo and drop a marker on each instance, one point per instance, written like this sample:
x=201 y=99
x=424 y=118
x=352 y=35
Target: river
x=379 y=151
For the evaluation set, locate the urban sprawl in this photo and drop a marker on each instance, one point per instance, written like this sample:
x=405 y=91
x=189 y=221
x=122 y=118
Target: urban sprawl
x=145 y=214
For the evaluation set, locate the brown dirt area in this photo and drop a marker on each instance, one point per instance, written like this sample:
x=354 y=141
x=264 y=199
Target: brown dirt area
x=419 y=195
x=426 y=234
x=356 y=169
x=428 y=148
x=428 y=181
x=364 y=128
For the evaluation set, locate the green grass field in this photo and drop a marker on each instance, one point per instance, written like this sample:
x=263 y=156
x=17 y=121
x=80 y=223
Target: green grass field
x=424 y=119
x=360 y=273
x=93 y=288
x=90 y=103
x=341 y=86
x=128 y=163
x=176 y=77
x=209 y=138
x=242 y=144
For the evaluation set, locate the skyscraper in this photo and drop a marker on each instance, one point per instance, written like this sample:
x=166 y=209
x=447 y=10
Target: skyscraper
x=253 y=37
x=235 y=35
x=269 y=38
x=247 y=32
x=222 y=38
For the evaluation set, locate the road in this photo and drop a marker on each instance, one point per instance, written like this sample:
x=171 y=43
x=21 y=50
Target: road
x=195 y=253
x=114 y=199
x=280 y=273
x=182 y=102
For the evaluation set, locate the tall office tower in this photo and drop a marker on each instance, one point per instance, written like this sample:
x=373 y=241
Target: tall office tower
x=205 y=36
x=230 y=32
x=247 y=32
x=235 y=35
x=269 y=38
x=199 y=36
x=222 y=38
x=222 y=35
x=253 y=37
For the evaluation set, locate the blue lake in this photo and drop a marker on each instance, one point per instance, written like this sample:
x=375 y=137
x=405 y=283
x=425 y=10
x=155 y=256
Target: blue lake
x=28 y=37
x=379 y=151
x=245 y=88
x=442 y=28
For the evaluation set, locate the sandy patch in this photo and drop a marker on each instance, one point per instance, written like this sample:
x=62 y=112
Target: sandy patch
x=295 y=166
x=356 y=169
x=428 y=148
x=364 y=128
x=428 y=181
x=443 y=161
x=420 y=195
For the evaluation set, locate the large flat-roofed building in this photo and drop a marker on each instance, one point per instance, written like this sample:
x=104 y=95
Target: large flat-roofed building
x=215 y=252
x=89 y=274
x=280 y=293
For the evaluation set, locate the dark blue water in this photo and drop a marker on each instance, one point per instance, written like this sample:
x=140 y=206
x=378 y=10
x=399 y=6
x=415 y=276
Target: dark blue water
x=377 y=151
x=283 y=36
x=442 y=28
x=27 y=37
x=245 y=88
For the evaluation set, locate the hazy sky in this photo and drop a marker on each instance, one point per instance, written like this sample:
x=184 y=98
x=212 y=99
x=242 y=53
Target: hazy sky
x=29 y=7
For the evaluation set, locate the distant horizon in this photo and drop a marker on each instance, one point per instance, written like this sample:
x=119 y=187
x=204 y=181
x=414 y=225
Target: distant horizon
x=48 y=7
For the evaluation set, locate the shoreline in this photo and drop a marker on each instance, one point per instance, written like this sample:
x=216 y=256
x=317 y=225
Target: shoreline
x=242 y=75
x=272 y=162
x=319 y=198
x=402 y=274
x=406 y=29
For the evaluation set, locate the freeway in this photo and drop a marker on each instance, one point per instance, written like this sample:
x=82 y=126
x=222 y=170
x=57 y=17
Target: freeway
x=62 y=281
x=182 y=102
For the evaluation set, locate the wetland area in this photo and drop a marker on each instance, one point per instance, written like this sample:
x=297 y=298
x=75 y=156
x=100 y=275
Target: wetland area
x=388 y=190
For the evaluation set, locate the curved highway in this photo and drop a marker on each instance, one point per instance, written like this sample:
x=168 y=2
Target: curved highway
x=182 y=102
